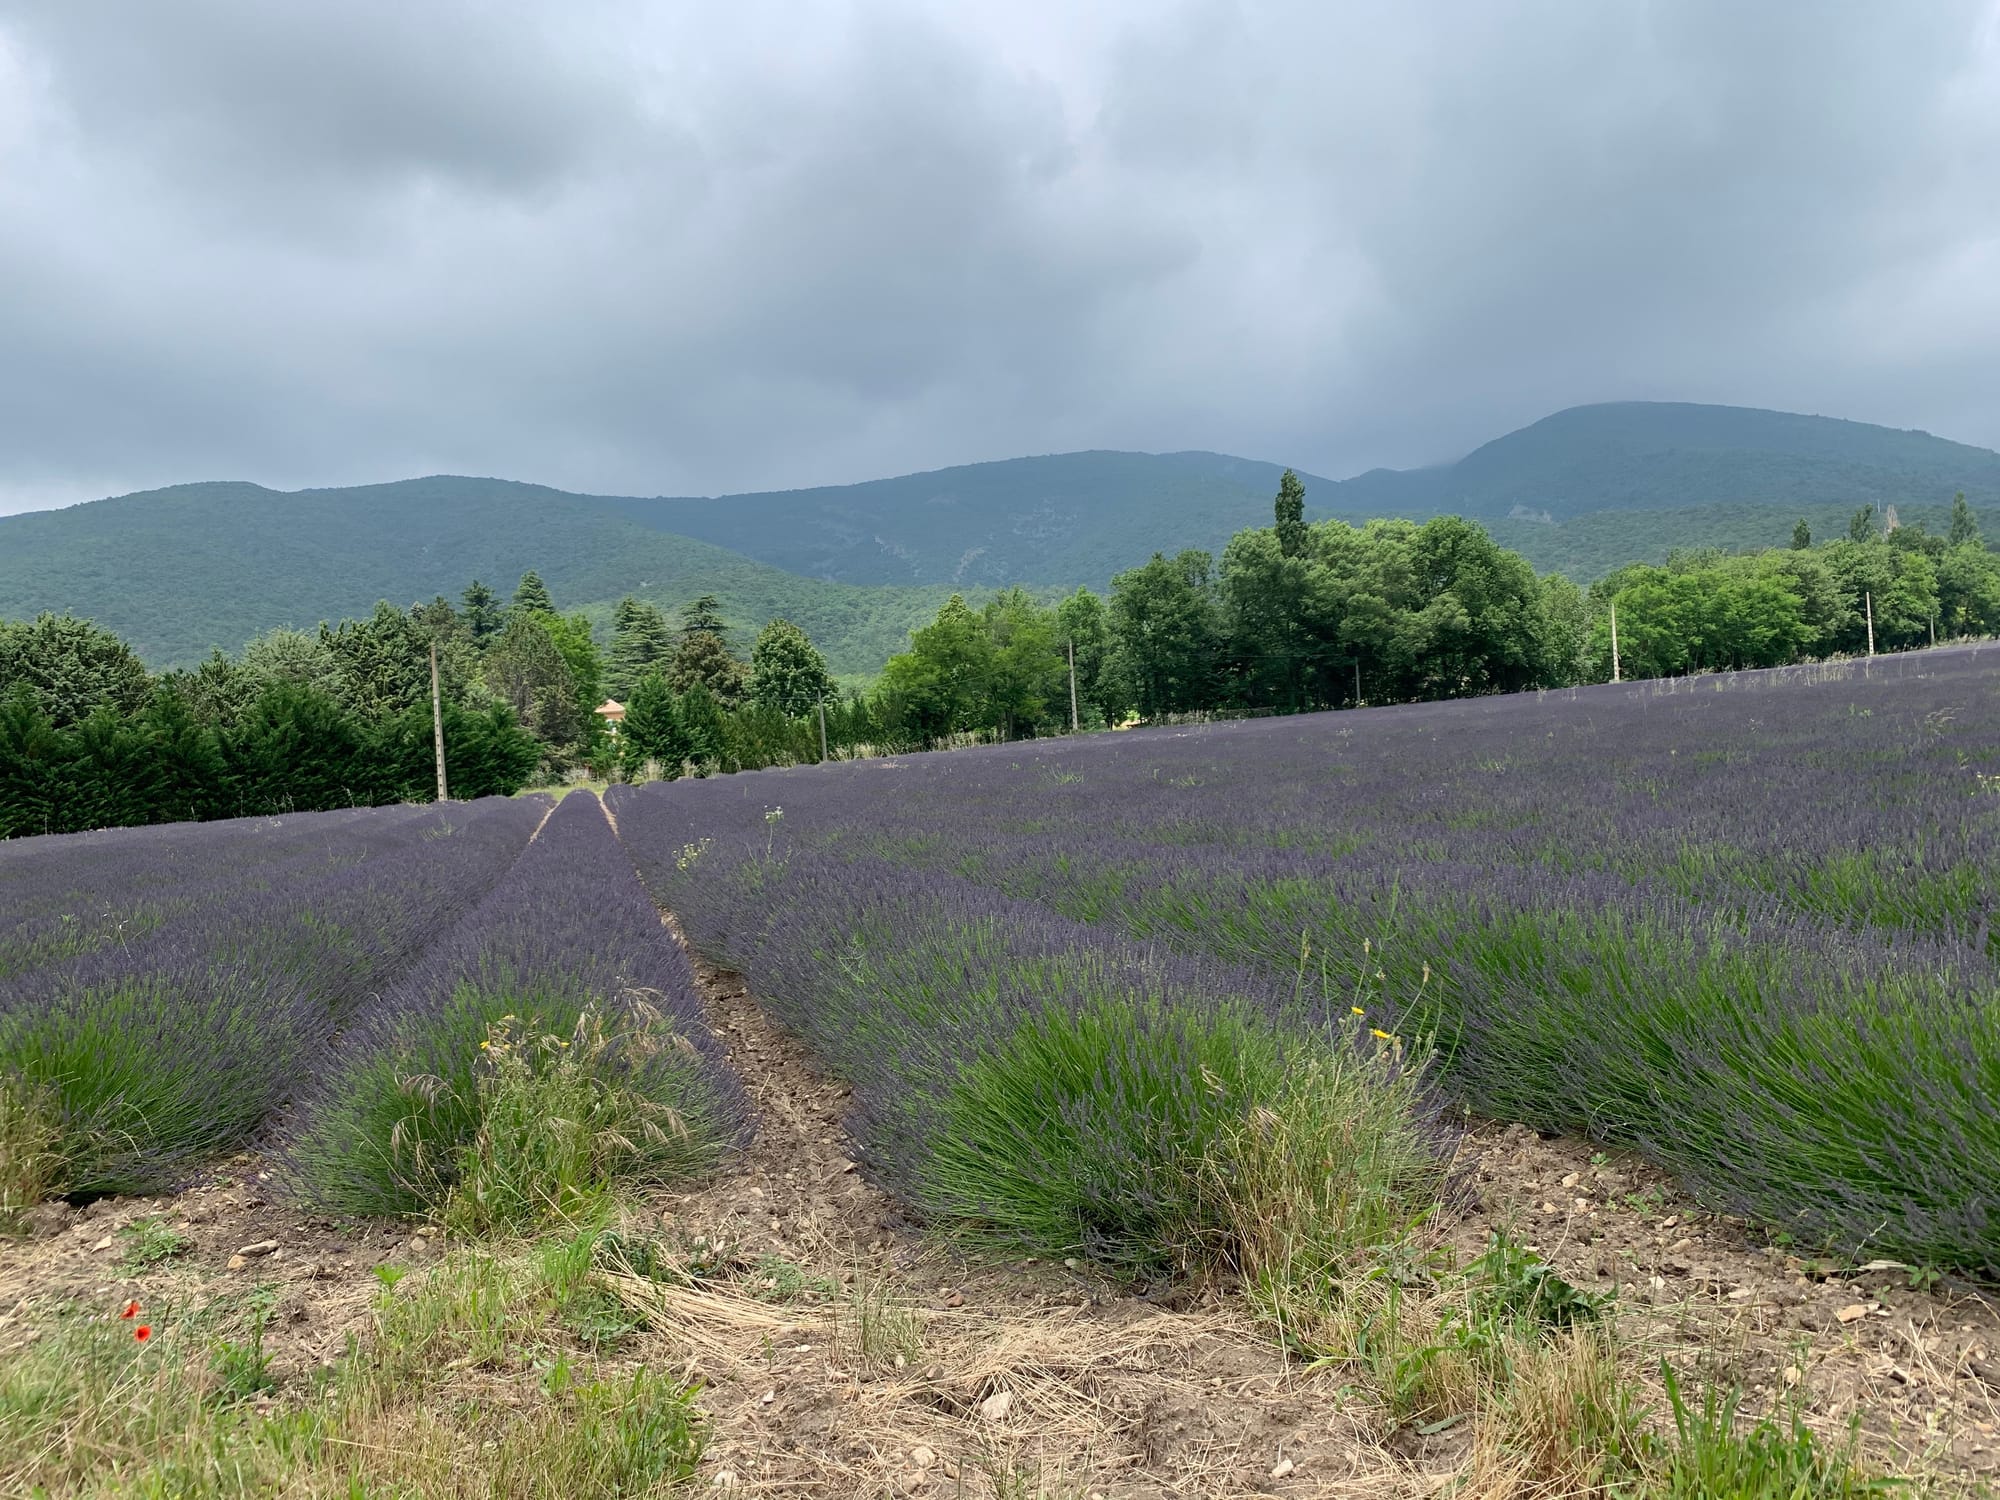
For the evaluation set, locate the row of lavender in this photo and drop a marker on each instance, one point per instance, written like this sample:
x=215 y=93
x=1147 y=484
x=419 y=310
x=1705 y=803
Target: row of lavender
x=147 y=1055
x=62 y=895
x=1739 y=923
x=567 y=950
x=1038 y=1082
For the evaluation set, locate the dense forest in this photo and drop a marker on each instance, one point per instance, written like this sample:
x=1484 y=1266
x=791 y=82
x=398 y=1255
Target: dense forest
x=1295 y=616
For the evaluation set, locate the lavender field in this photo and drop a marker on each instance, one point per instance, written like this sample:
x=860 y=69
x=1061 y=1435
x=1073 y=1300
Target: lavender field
x=1741 y=924
x=325 y=986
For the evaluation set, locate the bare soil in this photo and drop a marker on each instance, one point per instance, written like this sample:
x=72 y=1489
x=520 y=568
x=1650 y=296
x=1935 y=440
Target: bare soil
x=844 y=1353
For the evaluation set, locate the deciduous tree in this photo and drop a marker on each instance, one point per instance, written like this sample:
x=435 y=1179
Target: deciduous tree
x=787 y=673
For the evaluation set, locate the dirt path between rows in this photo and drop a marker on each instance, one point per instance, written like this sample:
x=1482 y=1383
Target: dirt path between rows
x=1013 y=1379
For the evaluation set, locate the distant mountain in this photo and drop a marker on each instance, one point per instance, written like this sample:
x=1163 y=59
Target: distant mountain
x=1658 y=455
x=1065 y=518
x=180 y=570
x=1561 y=490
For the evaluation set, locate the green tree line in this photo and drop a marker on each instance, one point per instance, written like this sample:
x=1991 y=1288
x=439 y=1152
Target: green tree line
x=1300 y=616
x=342 y=716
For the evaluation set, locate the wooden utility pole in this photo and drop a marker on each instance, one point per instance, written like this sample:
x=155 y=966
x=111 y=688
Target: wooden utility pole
x=1614 y=643
x=1868 y=601
x=1933 y=630
x=1357 y=682
x=822 y=730
x=1072 y=686
x=437 y=721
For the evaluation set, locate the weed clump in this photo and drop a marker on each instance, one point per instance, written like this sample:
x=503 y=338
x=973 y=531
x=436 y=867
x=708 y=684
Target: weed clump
x=30 y=1156
x=557 y=1124
x=501 y=1122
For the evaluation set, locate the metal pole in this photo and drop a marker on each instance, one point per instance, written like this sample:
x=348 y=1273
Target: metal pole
x=1357 y=682
x=1869 y=601
x=1072 y=686
x=1614 y=643
x=437 y=721
x=822 y=729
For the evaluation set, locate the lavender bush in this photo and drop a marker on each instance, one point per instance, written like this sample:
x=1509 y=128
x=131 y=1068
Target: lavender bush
x=567 y=945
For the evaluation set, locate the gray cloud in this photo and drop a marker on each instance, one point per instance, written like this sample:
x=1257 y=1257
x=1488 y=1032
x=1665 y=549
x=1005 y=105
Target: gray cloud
x=623 y=247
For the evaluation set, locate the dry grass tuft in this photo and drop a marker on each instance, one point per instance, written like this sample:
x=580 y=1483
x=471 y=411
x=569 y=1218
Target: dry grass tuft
x=30 y=1161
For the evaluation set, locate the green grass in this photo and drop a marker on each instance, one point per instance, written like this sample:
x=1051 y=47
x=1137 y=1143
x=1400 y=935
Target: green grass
x=1712 y=1454
x=149 y=1241
x=30 y=1147
x=467 y=1383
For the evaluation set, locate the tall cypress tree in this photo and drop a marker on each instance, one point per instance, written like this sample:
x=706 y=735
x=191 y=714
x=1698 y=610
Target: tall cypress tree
x=652 y=728
x=1964 y=525
x=1291 y=515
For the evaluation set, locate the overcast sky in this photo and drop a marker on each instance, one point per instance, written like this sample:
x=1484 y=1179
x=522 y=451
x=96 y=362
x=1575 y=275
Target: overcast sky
x=693 y=248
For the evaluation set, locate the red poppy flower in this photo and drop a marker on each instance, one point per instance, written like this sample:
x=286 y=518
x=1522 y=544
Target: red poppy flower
x=131 y=1310
x=143 y=1332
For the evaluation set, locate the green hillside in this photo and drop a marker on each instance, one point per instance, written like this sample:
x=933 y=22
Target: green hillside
x=1703 y=475
x=1589 y=546
x=1060 y=519
x=178 y=571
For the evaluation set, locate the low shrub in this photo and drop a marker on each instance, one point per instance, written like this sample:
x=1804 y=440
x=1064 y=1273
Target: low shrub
x=561 y=1118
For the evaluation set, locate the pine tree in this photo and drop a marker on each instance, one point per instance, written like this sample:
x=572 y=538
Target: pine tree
x=703 y=616
x=482 y=611
x=652 y=729
x=73 y=667
x=1801 y=536
x=703 y=660
x=641 y=640
x=533 y=595
x=1861 y=525
x=1291 y=514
